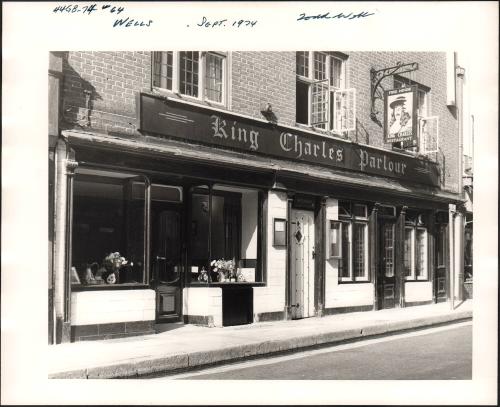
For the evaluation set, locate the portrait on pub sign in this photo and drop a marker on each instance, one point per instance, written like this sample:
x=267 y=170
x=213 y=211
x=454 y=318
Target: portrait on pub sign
x=400 y=115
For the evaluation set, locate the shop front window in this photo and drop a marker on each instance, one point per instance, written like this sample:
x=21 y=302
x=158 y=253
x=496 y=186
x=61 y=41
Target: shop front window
x=108 y=231
x=415 y=247
x=224 y=235
x=353 y=266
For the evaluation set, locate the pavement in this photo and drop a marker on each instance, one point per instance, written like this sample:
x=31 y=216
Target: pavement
x=183 y=347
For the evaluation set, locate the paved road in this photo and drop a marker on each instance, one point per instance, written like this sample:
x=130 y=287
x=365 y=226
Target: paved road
x=437 y=353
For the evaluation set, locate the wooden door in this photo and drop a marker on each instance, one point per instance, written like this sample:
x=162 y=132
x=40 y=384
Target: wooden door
x=166 y=261
x=387 y=291
x=302 y=264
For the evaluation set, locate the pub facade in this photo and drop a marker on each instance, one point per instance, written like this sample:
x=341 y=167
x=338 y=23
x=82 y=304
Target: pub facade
x=225 y=188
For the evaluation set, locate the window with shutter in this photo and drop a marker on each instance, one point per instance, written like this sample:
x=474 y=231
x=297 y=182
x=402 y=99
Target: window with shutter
x=344 y=112
x=429 y=134
x=322 y=100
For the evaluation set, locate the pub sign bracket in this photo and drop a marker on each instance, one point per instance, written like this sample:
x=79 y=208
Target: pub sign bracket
x=377 y=90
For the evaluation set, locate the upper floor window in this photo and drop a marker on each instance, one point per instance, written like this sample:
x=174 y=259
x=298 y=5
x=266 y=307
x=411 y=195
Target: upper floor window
x=322 y=100
x=197 y=74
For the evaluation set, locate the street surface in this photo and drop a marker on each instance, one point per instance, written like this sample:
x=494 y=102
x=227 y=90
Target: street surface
x=433 y=354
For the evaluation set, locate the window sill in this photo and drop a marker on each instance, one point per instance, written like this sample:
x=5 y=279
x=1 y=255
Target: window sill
x=187 y=99
x=228 y=284
x=354 y=282
x=106 y=287
x=416 y=280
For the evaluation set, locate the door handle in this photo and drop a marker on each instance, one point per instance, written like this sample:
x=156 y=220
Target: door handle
x=313 y=253
x=160 y=258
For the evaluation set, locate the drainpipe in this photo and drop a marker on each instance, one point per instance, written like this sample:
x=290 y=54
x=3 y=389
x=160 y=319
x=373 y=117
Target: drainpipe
x=451 y=227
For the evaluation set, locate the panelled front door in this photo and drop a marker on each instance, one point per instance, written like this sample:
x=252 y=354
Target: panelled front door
x=302 y=264
x=386 y=278
x=440 y=281
x=166 y=260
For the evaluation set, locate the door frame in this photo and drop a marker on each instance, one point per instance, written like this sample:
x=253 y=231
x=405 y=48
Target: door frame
x=380 y=279
x=154 y=281
x=311 y=291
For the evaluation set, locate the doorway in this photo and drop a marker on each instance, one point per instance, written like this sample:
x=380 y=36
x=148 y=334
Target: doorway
x=166 y=260
x=386 y=279
x=302 y=263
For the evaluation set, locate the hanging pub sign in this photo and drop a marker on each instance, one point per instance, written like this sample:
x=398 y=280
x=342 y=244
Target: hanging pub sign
x=400 y=120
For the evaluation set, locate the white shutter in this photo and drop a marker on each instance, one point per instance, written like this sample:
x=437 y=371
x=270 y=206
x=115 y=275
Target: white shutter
x=319 y=103
x=428 y=129
x=344 y=110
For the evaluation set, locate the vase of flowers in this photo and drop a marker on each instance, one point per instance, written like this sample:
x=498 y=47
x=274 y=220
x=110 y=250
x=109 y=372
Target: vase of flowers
x=223 y=269
x=113 y=262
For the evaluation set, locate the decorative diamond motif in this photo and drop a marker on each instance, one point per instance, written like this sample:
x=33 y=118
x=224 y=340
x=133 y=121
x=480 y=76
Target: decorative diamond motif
x=298 y=236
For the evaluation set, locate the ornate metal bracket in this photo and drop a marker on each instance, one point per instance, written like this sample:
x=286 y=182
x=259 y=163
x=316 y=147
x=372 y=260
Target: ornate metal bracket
x=377 y=91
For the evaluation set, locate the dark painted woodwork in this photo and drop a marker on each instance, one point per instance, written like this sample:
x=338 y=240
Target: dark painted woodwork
x=167 y=117
x=319 y=255
x=373 y=254
x=237 y=305
x=111 y=330
x=399 y=258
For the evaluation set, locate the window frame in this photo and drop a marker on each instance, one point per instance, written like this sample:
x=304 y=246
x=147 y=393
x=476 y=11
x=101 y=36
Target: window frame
x=349 y=220
x=415 y=228
x=202 y=80
x=105 y=176
x=310 y=80
x=211 y=191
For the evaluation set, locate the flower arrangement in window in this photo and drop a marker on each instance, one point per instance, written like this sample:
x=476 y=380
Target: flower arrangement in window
x=109 y=271
x=113 y=262
x=226 y=271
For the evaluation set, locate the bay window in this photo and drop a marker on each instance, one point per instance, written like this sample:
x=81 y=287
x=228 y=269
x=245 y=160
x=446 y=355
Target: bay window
x=196 y=74
x=322 y=100
x=353 y=264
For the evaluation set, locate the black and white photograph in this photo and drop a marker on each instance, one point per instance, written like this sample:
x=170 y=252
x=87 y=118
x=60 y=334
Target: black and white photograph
x=220 y=216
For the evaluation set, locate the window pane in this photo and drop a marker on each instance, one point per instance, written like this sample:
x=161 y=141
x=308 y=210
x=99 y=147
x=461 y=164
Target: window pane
x=302 y=103
x=213 y=77
x=188 y=73
x=407 y=252
x=359 y=250
x=441 y=245
x=162 y=75
x=421 y=253
x=336 y=72
x=319 y=66
x=108 y=231
x=302 y=63
x=319 y=115
x=344 y=263
x=388 y=249
x=199 y=236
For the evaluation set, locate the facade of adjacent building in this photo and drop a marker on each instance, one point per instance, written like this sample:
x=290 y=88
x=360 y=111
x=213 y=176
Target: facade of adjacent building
x=225 y=188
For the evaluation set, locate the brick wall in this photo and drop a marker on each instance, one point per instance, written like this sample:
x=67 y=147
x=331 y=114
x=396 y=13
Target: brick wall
x=99 y=89
x=109 y=80
x=264 y=77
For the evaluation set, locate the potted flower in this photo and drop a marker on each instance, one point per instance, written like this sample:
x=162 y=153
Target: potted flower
x=113 y=262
